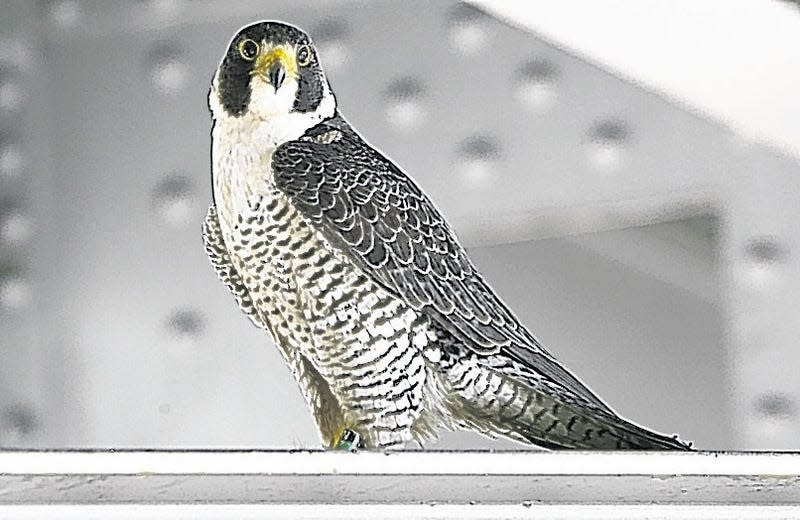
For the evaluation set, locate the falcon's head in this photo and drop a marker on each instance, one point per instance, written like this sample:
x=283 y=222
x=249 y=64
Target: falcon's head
x=270 y=70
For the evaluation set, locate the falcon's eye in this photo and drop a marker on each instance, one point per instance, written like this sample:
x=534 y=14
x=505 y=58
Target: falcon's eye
x=303 y=55
x=248 y=49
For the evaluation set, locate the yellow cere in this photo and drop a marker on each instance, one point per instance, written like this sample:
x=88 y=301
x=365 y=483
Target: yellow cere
x=281 y=53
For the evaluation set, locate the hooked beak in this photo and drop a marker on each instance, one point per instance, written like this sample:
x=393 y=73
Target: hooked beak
x=277 y=73
x=273 y=65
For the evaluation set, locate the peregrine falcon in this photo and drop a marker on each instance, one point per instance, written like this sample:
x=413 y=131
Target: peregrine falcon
x=390 y=331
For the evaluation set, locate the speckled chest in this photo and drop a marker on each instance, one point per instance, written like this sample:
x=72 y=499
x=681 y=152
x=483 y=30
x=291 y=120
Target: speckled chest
x=265 y=235
x=369 y=345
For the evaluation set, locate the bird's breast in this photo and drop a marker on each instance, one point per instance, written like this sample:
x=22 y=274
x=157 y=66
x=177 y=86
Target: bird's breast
x=241 y=170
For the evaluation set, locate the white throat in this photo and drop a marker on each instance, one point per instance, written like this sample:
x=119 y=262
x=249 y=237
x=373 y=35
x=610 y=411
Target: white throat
x=242 y=147
x=269 y=120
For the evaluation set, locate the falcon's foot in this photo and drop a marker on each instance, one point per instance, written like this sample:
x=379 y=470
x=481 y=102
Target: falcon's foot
x=348 y=441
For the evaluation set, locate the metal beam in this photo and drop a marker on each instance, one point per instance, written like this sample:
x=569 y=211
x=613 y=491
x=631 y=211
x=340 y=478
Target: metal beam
x=124 y=478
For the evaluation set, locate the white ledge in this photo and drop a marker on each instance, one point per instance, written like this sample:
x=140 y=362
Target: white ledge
x=318 y=462
x=465 y=482
x=390 y=511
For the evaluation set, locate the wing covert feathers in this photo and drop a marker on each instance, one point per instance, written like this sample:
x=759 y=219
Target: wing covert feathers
x=377 y=216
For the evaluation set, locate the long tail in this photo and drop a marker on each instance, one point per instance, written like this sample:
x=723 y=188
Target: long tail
x=498 y=404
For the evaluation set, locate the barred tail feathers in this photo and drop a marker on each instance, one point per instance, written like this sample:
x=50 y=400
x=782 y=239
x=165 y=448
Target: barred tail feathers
x=497 y=404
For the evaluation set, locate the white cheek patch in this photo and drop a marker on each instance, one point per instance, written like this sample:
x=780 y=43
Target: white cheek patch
x=265 y=102
x=269 y=119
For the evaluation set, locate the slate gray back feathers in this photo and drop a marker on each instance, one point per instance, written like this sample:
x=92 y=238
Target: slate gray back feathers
x=373 y=212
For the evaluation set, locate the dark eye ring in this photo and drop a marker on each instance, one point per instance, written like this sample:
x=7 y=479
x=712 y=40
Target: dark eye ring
x=248 y=49
x=303 y=55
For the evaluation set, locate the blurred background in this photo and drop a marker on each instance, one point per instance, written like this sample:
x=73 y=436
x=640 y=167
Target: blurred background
x=625 y=174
